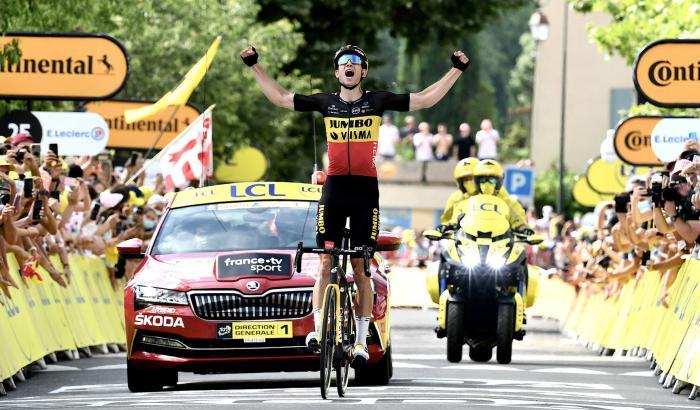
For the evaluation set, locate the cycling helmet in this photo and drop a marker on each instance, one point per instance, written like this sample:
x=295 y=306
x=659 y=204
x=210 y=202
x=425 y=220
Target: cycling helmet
x=488 y=177
x=463 y=174
x=350 y=49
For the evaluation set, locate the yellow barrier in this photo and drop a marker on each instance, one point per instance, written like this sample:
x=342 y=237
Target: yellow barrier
x=636 y=318
x=41 y=317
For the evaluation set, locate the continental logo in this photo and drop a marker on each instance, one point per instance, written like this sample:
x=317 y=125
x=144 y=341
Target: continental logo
x=64 y=66
x=633 y=140
x=375 y=224
x=356 y=129
x=667 y=73
x=321 y=221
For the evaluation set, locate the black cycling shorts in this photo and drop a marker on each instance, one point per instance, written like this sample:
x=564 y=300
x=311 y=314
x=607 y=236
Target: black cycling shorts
x=356 y=197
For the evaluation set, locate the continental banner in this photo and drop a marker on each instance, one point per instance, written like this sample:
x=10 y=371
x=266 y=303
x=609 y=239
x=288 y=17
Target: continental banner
x=667 y=73
x=64 y=67
x=41 y=317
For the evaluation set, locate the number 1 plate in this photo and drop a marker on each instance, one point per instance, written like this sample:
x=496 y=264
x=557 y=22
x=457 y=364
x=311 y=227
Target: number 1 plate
x=262 y=330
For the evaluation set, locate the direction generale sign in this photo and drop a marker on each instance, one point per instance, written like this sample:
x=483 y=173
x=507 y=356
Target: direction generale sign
x=667 y=73
x=142 y=134
x=64 y=66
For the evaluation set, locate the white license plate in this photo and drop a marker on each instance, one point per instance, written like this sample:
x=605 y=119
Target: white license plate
x=253 y=340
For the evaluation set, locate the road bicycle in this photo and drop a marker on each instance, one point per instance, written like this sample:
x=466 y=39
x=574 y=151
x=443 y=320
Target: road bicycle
x=337 y=331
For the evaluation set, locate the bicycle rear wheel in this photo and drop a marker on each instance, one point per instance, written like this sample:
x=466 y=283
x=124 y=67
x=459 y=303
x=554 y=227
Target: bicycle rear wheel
x=328 y=338
x=347 y=333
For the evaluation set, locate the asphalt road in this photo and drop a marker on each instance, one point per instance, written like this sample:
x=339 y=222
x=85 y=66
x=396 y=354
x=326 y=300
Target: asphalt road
x=548 y=372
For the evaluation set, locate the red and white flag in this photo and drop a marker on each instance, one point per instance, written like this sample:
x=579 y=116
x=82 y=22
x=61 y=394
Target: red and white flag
x=190 y=155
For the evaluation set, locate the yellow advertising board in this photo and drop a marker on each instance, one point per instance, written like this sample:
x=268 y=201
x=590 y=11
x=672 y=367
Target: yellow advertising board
x=667 y=73
x=585 y=195
x=246 y=191
x=64 y=67
x=606 y=178
x=632 y=140
x=142 y=134
x=246 y=165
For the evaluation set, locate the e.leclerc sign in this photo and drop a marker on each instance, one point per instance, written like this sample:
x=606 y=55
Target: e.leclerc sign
x=653 y=140
x=64 y=67
x=667 y=73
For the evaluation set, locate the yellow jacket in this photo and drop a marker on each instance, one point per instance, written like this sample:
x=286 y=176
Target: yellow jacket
x=454 y=198
x=517 y=217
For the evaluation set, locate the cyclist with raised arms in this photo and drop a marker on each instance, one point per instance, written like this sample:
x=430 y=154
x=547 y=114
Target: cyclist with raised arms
x=352 y=118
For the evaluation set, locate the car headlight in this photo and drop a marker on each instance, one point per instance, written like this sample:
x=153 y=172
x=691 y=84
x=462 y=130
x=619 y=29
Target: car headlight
x=149 y=294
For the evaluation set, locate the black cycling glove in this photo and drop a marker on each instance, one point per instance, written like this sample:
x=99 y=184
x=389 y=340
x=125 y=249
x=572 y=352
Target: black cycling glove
x=251 y=60
x=526 y=231
x=458 y=64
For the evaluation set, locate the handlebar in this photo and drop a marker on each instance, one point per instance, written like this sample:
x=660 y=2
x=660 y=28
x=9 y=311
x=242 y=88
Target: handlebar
x=363 y=252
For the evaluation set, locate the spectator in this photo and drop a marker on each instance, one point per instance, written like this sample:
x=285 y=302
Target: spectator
x=410 y=128
x=423 y=142
x=464 y=146
x=442 y=141
x=388 y=137
x=487 y=140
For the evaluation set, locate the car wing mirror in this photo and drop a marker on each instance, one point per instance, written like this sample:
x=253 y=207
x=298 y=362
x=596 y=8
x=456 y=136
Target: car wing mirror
x=388 y=242
x=131 y=249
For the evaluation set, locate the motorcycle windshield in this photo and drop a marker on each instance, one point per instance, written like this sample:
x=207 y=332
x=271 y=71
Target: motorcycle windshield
x=487 y=214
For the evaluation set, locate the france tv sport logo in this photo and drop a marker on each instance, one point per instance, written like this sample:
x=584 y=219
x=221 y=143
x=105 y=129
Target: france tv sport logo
x=97 y=133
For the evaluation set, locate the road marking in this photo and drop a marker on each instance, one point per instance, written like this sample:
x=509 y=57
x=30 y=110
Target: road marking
x=487 y=367
x=61 y=368
x=569 y=370
x=645 y=373
x=109 y=367
x=404 y=365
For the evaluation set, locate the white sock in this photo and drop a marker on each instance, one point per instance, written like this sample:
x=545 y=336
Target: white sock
x=361 y=328
x=317 y=319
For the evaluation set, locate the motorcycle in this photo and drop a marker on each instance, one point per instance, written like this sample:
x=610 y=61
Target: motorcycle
x=483 y=284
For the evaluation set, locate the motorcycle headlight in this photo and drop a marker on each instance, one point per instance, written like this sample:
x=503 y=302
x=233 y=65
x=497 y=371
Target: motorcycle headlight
x=470 y=258
x=149 y=294
x=496 y=262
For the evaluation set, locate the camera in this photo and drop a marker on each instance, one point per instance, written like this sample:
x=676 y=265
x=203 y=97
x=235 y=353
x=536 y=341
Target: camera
x=656 y=189
x=621 y=201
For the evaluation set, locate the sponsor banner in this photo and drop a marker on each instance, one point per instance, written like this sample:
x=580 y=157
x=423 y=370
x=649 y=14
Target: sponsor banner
x=255 y=330
x=76 y=133
x=632 y=140
x=670 y=135
x=241 y=192
x=667 y=73
x=251 y=264
x=64 y=67
x=142 y=134
x=20 y=121
x=246 y=164
x=606 y=178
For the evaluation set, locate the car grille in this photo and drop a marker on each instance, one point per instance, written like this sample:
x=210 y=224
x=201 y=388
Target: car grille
x=234 y=306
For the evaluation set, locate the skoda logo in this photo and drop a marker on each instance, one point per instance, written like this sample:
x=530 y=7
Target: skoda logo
x=253 y=285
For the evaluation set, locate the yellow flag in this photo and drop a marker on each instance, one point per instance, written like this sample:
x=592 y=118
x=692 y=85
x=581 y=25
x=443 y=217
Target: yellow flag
x=182 y=92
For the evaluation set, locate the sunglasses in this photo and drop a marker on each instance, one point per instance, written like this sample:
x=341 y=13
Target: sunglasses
x=489 y=180
x=355 y=59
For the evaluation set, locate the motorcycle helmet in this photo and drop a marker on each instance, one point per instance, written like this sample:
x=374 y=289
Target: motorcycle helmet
x=488 y=177
x=464 y=174
x=350 y=49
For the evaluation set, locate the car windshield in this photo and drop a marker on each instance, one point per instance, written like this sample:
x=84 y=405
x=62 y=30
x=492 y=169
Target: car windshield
x=237 y=226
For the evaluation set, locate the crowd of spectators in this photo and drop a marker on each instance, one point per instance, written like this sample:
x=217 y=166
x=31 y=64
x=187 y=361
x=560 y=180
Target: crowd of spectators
x=652 y=228
x=418 y=142
x=52 y=205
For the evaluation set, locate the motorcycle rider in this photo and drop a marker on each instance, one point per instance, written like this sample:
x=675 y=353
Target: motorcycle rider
x=464 y=177
x=488 y=180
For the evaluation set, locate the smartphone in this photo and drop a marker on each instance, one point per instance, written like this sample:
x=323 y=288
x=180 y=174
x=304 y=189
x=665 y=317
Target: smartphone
x=54 y=147
x=132 y=160
x=35 y=149
x=696 y=159
x=28 y=187
x=95 y=211
x=69 y=181
x=36 y=210
x=16 y=201
x=55 y=194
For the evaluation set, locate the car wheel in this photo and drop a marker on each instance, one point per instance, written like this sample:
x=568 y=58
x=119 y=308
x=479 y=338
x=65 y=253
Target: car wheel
x=455 y=332
x=480 y=354
x=378 y=374
x=148 y=380
x=504 y=332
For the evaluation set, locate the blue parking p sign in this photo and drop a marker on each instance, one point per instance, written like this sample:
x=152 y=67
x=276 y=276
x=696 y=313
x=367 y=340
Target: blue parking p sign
x=520 y=182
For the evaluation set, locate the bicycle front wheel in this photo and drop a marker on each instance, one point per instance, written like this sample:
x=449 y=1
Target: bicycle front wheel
x=328 y=339
x=347 y=338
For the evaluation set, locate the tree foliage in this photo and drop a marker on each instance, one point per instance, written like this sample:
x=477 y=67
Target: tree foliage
x=636 y=23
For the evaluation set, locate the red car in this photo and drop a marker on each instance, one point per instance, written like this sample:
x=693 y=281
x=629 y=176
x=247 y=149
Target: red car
x=216 y=291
